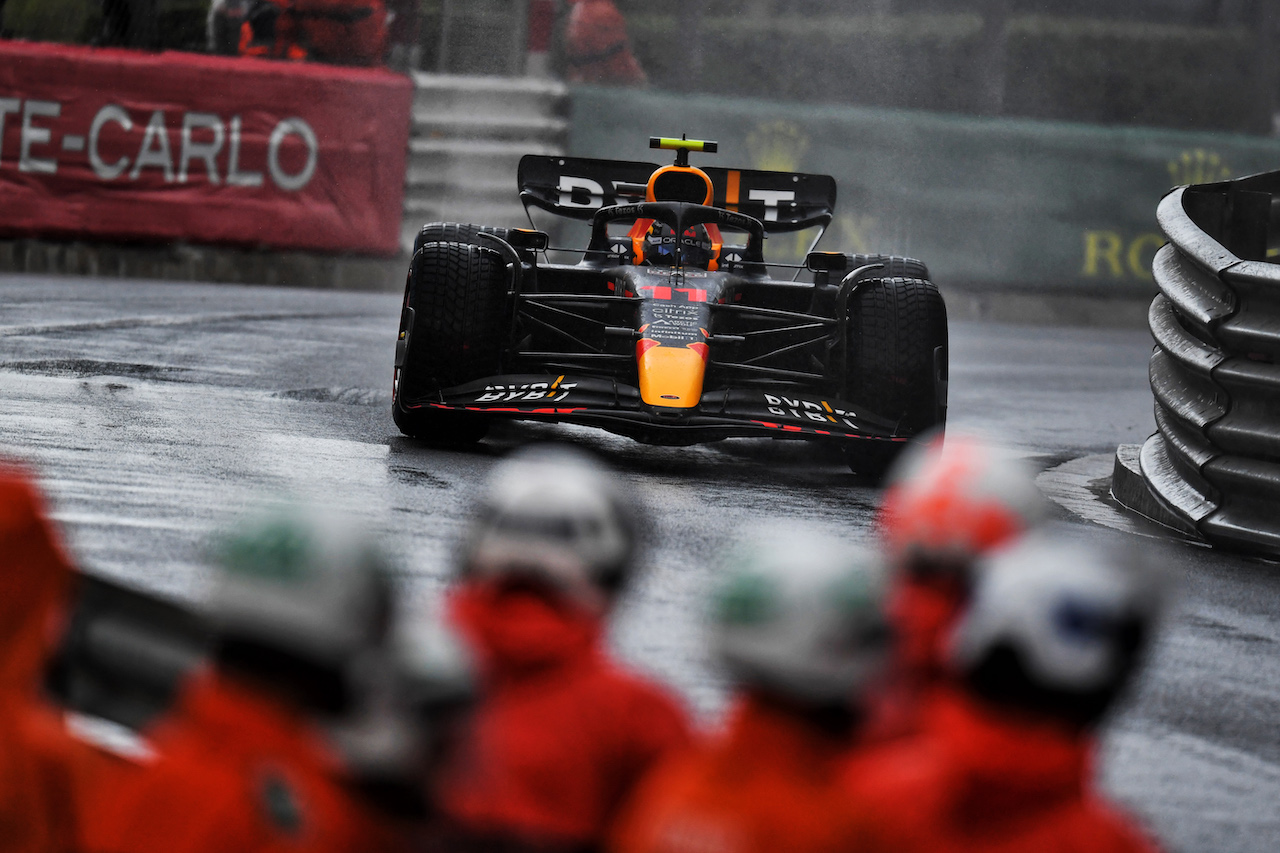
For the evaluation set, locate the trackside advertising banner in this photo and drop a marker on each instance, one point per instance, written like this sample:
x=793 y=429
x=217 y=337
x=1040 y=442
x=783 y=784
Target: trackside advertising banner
x=109 y=144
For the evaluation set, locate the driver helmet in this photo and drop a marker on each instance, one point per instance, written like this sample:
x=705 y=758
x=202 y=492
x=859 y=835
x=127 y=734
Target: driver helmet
x=951 y=501
x=801 y=615
x=696 y=247
x=555 y=515
x=1057 y=628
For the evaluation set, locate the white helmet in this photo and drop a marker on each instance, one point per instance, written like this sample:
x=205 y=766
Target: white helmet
x=950 y=501
x=303 y=582
x=554 y=514
x=1057 y=627
x=303 y=605
x=801 y=614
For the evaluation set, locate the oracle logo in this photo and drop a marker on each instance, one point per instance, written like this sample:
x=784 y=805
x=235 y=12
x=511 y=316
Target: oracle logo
x=207 y=147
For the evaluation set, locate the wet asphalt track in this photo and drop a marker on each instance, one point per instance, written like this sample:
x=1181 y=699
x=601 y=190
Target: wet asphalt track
x=157 y=412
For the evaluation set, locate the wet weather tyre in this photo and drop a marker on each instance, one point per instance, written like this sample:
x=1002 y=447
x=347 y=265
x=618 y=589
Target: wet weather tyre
x=891 y=266
x=897 y=363
x=894 y=266
x=453 y=327
x=454 y=232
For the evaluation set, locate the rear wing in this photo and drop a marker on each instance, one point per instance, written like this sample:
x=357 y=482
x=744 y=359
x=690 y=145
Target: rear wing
x=576 y=187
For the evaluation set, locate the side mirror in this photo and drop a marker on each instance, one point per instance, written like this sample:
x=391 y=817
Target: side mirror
x=527 y=239
x=826 y=262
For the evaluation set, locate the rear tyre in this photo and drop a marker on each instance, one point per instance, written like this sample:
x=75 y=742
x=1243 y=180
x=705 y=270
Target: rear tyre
x=454 y=232
x=897 y=363
x=453 y=328
x=825 y=295
x=894 y=266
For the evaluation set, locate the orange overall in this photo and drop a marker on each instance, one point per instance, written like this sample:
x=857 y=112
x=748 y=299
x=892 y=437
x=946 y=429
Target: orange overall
x=240 y=771
x=561 y=734
x=771 y=783
x=981 y=779
x=597 y=48
x=36 y=807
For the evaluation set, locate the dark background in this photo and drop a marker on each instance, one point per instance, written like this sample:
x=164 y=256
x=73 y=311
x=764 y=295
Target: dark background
x=1192 y=64
x=1189 y=64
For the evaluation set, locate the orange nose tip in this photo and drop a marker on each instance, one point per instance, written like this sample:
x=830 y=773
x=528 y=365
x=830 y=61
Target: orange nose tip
x=670 y=376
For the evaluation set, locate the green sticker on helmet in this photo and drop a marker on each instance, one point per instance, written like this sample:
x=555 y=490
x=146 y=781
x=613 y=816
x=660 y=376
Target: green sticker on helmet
x=747 y=599
x=279 y=552
x=852 y=593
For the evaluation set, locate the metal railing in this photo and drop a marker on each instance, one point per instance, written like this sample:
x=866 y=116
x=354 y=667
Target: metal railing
x=465 y=143
x=1213 y=464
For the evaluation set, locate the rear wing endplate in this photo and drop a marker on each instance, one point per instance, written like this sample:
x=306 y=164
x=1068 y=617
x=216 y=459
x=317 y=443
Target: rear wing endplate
x=576 y=187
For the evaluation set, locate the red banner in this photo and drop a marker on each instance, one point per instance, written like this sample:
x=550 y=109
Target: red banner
x=113 y=144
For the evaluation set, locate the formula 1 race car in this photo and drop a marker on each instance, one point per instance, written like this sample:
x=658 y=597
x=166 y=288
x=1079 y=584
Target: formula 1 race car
x=670 y=329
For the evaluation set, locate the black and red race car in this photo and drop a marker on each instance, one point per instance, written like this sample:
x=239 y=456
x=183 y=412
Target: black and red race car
x=671 y=328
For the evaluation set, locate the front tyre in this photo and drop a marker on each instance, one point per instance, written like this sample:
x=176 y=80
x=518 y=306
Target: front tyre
x=453 y=328
x=897 y=363
x=438 y=426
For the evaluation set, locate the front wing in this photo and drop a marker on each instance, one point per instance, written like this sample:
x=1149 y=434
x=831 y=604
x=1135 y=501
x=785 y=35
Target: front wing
x=616 y=407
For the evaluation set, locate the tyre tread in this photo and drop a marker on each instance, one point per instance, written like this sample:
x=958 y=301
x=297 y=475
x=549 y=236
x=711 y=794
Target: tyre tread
x=897 y=324
x=896 y=266
x=458 y=294
x=455 y=232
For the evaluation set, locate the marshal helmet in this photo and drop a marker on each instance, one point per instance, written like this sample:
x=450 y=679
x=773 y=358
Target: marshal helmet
x=950 y=501
x=800 y=614
x=1057 y=627
x=300 y=599
x=556 y=515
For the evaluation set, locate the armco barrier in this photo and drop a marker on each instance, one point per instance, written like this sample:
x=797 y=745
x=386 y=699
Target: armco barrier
x=1212 y=469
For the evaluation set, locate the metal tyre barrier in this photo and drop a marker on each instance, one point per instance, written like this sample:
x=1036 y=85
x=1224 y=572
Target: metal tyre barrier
x=1212 y=469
